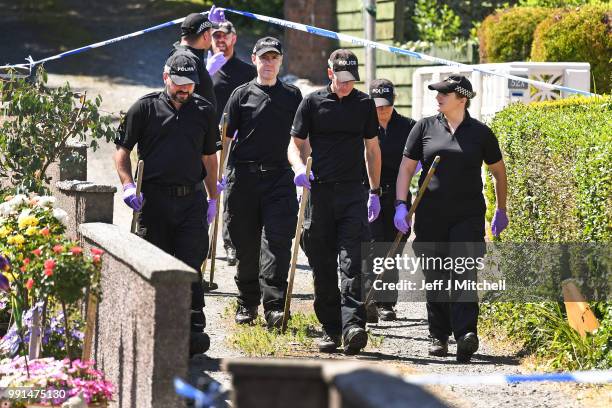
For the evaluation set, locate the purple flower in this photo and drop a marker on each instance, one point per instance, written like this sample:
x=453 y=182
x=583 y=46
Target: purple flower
x=4 y=283
x=5 y=264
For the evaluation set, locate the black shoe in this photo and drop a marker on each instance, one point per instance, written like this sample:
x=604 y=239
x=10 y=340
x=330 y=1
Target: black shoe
x=466 y=347
x=199 y=343
x=386 y=313
x=230 y=254
x=329 y=343
x=274 y=319
x=246 y=314
x=355 y=339
x=438 y=348
x=371 y=313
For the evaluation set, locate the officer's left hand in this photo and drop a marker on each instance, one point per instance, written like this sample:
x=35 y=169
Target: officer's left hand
x=216 y=14
x=214 y=62
x=373 y=207
x=212 y=211
x=500 y=222
x=221 y=185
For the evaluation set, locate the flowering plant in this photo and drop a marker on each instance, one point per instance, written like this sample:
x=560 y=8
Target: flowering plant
x=75 y=378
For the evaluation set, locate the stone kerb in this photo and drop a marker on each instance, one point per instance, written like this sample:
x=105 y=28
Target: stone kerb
x=141 y=338
x=84 y=202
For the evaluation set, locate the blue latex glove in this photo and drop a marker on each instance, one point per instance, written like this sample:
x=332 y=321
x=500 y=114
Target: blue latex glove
x=418 y=168
x=130 y=198
x=214 y=62
x=301 y=180
x=216 y=14
x=221 y=185
x=500 y=222
x=373 y=207
x=401 y=223
x=212 y=211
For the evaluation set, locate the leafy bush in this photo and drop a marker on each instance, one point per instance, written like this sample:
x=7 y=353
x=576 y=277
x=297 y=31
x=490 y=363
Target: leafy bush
x=507 y=35
x=37 y=125
x=579 y=35
x=436 y=23
x=557 y=3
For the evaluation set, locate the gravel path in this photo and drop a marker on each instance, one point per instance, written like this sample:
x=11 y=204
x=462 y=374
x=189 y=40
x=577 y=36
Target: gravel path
x=405 y=340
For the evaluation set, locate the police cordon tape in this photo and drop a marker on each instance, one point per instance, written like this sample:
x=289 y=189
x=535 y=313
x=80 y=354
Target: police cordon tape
x=312 y=30
x=395 y=50
x=582 y=377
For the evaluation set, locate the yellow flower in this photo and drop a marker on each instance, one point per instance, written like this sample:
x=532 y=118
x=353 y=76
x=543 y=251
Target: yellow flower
x=18 y=239
x=27 y=221
x=31 y=231
x=4 y=231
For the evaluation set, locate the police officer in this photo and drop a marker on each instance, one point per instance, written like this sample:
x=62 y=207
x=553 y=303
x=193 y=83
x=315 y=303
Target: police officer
x=339 y=123
x=393 y=130
x=232 y=74
x=451 y=214
x=176 y=134
x=196 y=36
x=261 y=199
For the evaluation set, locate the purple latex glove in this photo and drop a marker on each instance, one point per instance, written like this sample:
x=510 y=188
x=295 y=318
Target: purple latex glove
x=214 y=62
x=300 y=179
x=221 y=185
x=418 y=168
x=216 y=14
x=212 y=211
x=373 y=207
x=500 y=222
x=131 y=199
x=401 y=223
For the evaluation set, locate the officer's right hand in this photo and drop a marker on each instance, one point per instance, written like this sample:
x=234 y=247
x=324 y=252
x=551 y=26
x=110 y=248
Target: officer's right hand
x=301 y=180
x=131 y=199
x=214 y=62
x=216 y=14
x=400 y=219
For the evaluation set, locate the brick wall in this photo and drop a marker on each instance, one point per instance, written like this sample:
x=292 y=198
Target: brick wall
x=306 y=54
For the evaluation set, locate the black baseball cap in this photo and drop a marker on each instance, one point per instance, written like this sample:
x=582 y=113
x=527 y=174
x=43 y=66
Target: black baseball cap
x=182 y=68
x=226 y=27
x=382 y=91
x=344 y=64
x=454 y=83
x=267 y=44
x=196 y=23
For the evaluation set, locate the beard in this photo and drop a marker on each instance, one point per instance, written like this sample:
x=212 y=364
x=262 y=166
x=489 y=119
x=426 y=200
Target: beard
x=181 y=97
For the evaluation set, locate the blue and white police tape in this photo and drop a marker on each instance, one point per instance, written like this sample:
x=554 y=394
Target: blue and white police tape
x=582 y=377
x=200 y=398
x=385 y=47
x=31 y=62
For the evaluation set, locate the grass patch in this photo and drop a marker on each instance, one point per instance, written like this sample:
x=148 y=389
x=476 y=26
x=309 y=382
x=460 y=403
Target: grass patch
x=375 y=341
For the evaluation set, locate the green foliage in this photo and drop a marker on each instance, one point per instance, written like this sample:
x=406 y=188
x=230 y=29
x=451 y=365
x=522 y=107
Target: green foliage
x=543 y=330
x=557 y=3
x=580 y=35
x=436 y=23
x=36 y=125
x=507 y=34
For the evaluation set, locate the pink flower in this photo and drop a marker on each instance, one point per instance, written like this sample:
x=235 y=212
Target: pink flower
x=96 y=259
x=30 y=284
x=45 y=231
x=76 y=250
x=97 y=251
x=48 y=272
x=37 y=251
x=58 y=248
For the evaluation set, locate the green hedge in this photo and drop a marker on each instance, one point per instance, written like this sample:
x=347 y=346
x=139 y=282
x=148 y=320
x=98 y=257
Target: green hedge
x=506 y=35
x=583 y=34
x=559 y=160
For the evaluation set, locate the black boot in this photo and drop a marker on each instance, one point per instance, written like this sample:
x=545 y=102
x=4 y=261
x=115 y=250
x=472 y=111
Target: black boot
x=466 y=347
x=438 y=348
x=274 y=319
x=329 y=343
x=199 y=343
x=355 y=339
x=246 y=314
x=230 y=254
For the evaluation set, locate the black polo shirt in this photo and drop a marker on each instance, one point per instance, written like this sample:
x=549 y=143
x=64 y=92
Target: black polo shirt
x=456 y=187
x=232 y=74
x=205 y=87
x=392 y=141
x=336 y=129
x=263 y=116
x=170 y=142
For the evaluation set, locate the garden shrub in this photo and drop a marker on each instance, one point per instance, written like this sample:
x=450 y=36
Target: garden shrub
x=580 y=35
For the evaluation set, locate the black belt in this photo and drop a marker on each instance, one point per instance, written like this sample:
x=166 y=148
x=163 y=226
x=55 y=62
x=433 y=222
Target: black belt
x=385 y=188
x=174 y=190
x=254 y=167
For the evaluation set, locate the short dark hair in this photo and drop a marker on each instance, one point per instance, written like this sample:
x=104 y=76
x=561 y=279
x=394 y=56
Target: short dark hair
x=468 y=102
x=193 y=37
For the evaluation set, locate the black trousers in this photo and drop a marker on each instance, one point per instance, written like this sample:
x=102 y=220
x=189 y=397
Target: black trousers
x=334 y=228
x=455 y=311
x=383 y=230
x=262 y=213
x=178 y=226
x=227 y=241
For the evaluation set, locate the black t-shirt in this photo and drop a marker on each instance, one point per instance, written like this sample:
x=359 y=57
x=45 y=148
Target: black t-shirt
x=336 y=129
x=456 y=187
x=205 y=87
x=392 y=142
x=232 y=74
x=170 y=142
x=263 y=116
